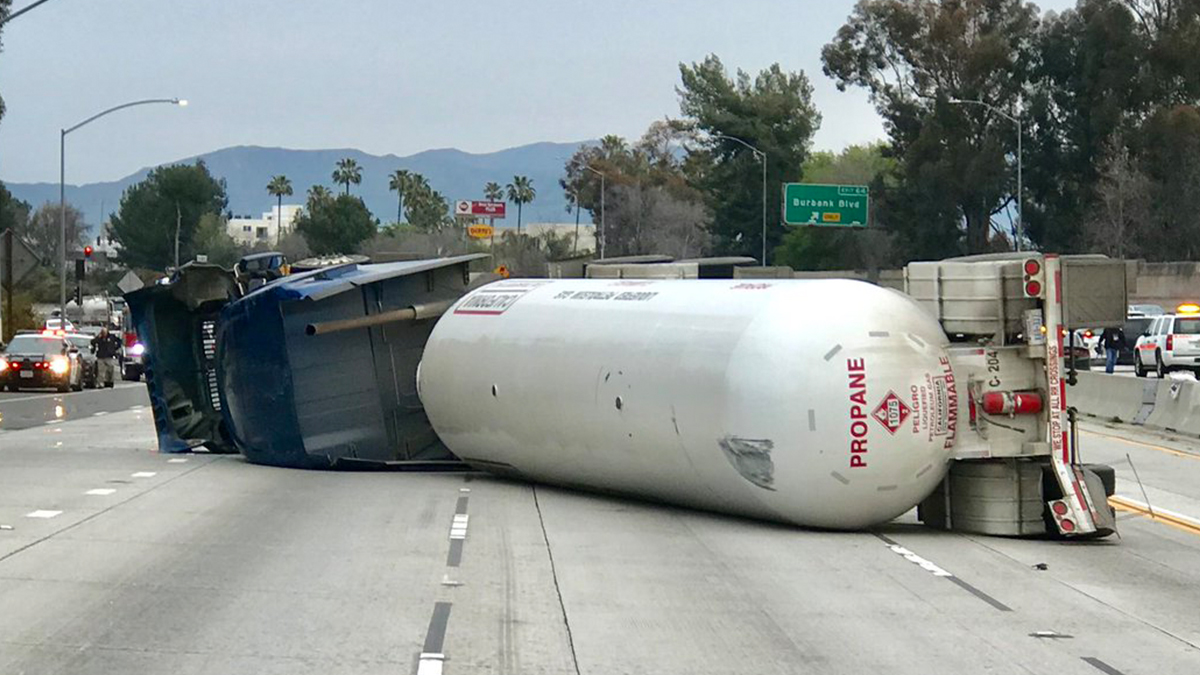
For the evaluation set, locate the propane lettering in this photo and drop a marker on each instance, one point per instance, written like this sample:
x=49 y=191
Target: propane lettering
x=856 y=371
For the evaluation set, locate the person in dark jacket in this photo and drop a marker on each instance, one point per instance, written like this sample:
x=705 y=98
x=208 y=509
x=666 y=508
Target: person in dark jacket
x=1111 y=341
x=107 y=346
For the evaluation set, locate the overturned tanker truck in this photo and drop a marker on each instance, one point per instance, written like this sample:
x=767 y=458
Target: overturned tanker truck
x=824 y=403
x=827 y=403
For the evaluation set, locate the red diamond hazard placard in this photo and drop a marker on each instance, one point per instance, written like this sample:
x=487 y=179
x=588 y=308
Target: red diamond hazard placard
x=891 y=412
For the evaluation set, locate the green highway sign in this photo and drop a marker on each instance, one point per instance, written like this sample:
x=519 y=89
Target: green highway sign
x=825 y=205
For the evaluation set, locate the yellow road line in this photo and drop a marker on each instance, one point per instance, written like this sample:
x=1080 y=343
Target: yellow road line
x=1140 y=444
x=1172 y=519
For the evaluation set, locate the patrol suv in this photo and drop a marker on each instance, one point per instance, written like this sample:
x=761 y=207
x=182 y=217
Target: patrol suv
x=1172 y=342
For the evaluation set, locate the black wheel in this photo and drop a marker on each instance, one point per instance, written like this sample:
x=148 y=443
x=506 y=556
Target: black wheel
x=78 y=386
x=1159 y=368
x=14 y=388
x=64 y=388
x=1138 y=369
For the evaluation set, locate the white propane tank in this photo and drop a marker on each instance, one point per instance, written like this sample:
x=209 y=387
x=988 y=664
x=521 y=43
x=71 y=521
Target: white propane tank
x=825 y=403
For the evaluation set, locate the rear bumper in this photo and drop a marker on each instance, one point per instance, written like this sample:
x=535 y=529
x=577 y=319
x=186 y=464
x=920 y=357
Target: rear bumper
x=40 y=379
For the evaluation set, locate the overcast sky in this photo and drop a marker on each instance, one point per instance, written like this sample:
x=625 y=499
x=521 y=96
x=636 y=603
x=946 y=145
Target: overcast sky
x=383 y=76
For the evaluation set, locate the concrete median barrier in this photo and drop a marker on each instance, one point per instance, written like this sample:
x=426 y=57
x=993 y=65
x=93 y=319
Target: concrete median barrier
x=1110 y=396
x=1169 y=405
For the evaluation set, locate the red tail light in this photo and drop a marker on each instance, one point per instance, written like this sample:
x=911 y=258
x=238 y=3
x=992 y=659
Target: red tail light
x=1033 y=289
x=1032 y=267
x=1170 y=342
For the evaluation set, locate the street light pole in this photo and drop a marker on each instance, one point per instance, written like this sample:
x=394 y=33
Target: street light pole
x=1015 y=119
x=62 y=193
x=762 y=157
x=603 y=231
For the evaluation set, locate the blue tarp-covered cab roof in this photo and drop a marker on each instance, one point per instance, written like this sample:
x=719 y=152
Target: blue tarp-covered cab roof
x=319 y=368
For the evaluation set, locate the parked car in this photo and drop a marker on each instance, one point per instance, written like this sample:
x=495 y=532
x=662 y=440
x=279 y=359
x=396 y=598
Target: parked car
x=1135 y=326
x=87 y=358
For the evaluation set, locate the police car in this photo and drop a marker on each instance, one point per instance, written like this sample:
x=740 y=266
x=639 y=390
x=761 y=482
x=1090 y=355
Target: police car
x=1171 y=342
x=41 y=360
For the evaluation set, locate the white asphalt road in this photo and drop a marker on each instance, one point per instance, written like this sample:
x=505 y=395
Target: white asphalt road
x=115 y=559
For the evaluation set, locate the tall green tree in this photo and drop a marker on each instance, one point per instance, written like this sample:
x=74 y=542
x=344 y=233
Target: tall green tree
x=1091 y=85
x=399 y=182
x=43 y=231
x=772 y=112
x=916 y=56
x=166 y=205
x=348 y=171
x=426 y=208
x=279 y=187
x=14 y=213
x=520 y=192
x=333 y=225
x=649 y=204
x=493 y=192
x=212 y=239
x=5 y=9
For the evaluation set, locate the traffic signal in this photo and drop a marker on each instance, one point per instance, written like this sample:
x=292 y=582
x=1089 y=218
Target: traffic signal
x=79 y=270
x=87 y=252
x=79 y=296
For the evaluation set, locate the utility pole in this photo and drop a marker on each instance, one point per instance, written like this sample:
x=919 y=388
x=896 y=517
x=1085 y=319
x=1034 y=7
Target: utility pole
x=8 y=279
x=178 y=223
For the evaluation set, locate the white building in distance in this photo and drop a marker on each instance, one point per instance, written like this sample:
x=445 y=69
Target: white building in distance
x=273 y=225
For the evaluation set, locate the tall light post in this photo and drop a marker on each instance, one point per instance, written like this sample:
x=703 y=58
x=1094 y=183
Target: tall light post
x=1015 y=119
x=603 y=231
x=762 y=157
x=62 y=192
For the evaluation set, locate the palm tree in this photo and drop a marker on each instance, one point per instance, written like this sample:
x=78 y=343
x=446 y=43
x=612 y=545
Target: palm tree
x=399 y=182
x=348 y=171
x=318 y=193
x=520 y=192
x=493 y=193
x=278 y=187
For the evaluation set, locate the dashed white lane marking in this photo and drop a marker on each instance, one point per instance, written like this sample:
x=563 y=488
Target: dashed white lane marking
x=177 y=460
x=926 y=565
x=430 y=664
x=99 y=414
x=464 y=489
x=100 y=492
x=144 y=474
x=458 y=529
x=41 y=513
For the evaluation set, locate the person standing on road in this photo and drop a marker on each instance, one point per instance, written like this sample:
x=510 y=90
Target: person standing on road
x=107 y=346
x=1111 y=341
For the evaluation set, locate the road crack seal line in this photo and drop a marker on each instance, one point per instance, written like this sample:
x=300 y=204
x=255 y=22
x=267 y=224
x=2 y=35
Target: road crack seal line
x=1093 y=598
x=554 y=575
x=937 y=571
x=103 y=511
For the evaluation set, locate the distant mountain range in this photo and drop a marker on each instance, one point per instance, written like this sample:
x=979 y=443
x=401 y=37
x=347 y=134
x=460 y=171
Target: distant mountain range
x=248 y=169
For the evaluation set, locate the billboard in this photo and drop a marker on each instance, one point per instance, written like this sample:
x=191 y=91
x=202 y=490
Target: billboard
x=470 y=209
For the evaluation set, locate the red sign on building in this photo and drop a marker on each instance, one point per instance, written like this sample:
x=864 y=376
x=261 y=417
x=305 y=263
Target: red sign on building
x=482 y=209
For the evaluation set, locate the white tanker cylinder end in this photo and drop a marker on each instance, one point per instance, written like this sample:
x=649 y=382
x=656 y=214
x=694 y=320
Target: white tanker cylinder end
x=823 y=403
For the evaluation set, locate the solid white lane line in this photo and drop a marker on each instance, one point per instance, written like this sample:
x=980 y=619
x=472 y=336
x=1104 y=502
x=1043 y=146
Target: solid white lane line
x=99 y=414
x=177 y=460
x=41 y=513
x=144 y=474
x=100 y=492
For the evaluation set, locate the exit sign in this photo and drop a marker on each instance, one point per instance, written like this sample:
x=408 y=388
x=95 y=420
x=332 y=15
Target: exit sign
x=825 y=205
